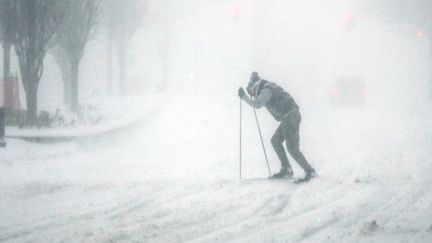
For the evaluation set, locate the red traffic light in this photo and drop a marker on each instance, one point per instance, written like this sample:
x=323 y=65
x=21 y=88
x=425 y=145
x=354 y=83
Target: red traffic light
x=420 y=34
x=235 y=10
x=349 y=20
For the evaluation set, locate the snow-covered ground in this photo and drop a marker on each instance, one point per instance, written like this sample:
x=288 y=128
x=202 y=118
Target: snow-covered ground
x=107 y=113
x=174 y=178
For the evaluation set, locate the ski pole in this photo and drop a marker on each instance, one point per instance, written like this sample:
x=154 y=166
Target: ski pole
x=262 y=142
x=240 y=150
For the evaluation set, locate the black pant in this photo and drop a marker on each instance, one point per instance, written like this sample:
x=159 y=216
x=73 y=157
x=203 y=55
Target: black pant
x=288 y=131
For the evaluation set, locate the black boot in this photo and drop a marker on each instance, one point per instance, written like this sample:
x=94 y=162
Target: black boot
x=283 y=173
x=309 y=174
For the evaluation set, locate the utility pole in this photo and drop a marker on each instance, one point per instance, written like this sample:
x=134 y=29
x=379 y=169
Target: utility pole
x=2 y=115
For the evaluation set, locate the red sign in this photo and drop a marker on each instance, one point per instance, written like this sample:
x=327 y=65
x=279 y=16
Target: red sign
x=11 y=93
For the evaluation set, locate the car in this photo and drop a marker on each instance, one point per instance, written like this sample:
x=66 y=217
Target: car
x=348 y=92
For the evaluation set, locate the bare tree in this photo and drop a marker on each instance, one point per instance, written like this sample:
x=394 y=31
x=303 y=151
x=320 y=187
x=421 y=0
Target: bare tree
x=37 y=21
x=81 y=18
x=122 y=19
x=63 y=62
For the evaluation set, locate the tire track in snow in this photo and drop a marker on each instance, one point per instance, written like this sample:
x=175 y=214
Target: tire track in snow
x=122 y=211
x=46 y=225
x=303 y=221
x=353 y=217
x=311 y=231
x=270 y=210
x=111 y=213
x=339 y=198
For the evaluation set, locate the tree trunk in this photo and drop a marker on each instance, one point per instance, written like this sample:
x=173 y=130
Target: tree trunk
x=6 y=72
x=74 y=85
x=63 y=63
x=65 y=71
x=6 y=60
x=31 y=91
x=67 y=91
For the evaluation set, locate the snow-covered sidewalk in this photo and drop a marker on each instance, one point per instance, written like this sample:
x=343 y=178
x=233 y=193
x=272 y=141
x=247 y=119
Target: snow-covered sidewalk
x=114 y=114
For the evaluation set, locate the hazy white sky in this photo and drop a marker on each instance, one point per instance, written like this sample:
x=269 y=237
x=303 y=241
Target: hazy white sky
x=212 y=46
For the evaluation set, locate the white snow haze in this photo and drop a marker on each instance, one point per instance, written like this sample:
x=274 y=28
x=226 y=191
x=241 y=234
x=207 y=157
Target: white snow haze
x=164 y=164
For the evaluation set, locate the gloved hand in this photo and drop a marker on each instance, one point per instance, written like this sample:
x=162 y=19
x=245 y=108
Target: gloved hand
x=241 y=92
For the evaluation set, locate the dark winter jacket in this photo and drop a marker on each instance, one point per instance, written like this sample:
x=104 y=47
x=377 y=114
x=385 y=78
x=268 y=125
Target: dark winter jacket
x=277 y=101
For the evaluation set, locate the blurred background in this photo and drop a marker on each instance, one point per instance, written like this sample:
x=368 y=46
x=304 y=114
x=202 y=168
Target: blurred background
x=381 y=51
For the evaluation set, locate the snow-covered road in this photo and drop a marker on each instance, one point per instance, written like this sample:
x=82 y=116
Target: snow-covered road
x=174 y=178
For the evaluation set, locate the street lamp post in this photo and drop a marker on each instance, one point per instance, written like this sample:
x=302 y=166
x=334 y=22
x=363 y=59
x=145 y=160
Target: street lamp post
x=2 y=115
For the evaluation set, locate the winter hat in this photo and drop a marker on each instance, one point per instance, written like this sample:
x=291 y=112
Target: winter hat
x=253 y=79
x=253 y=83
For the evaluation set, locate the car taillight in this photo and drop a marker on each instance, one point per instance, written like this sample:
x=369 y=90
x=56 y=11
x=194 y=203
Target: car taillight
x=335 y=90
x=365 y=92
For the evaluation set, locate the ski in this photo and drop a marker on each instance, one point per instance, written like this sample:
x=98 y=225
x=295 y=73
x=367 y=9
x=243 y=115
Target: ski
x=295 y=180
x=304 y=179
x=301 y=180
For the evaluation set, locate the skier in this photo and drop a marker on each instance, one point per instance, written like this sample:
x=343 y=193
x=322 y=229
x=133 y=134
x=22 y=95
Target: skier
x=285 y=110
